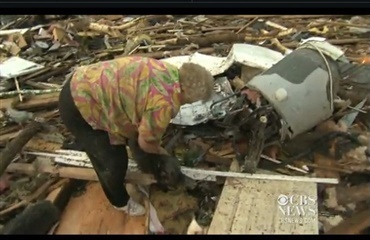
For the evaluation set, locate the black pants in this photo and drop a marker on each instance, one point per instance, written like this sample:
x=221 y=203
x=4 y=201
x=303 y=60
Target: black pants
x=109 y=161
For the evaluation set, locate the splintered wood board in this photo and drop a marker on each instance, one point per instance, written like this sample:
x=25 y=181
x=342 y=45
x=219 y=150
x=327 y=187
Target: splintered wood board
x=91 y=213
x=249 y=206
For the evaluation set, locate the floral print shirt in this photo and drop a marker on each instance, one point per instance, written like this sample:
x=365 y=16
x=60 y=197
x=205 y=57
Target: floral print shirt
x=126 y=96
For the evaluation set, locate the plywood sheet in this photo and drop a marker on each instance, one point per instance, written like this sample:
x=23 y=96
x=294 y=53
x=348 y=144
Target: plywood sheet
x=249 y=206
x=91 y=213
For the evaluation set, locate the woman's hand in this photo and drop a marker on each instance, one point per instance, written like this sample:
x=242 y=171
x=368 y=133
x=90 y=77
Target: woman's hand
x=152 y=147
x=165 y=168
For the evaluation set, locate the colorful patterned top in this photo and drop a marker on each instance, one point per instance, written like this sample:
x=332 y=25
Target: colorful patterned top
x=128 y=95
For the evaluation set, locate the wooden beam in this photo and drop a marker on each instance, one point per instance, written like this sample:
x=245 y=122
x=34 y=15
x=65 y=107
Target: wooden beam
x=76 y=173
x=17 y=144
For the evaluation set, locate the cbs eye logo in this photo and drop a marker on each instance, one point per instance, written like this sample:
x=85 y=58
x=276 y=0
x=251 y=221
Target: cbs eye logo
x=283 y=200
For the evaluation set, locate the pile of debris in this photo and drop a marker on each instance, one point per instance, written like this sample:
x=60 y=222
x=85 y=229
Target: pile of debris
x=291 y=95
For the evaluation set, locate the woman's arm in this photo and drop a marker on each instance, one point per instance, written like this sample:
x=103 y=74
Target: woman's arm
x=152 y=127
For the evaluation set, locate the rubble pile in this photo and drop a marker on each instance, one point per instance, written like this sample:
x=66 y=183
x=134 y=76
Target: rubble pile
x=291 y=96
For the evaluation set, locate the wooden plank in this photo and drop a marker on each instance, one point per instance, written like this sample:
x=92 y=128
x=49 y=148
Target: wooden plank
x=76 y=173
x=226 y=207
x=91 y=213
x=249 y=206
x=53 y=195
x=36 y=101
x=61 y=192
x=60 y=195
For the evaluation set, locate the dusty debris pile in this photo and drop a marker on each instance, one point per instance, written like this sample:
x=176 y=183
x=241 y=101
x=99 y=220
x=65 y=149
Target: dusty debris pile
x=291 y=96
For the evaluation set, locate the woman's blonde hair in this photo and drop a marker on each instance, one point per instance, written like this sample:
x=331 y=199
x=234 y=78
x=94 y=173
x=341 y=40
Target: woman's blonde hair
x=196 y=82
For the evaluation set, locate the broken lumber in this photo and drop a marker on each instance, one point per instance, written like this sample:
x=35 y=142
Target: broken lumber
x=16 y=145
x=76 y=173
x=7 y=130
x=105 y=29
x=5 y=138
x=162 y=54
x=48 y=100
x=39 y=192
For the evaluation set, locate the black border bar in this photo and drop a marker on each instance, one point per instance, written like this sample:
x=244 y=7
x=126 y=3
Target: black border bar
x=185 y=1
x=147 y=5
